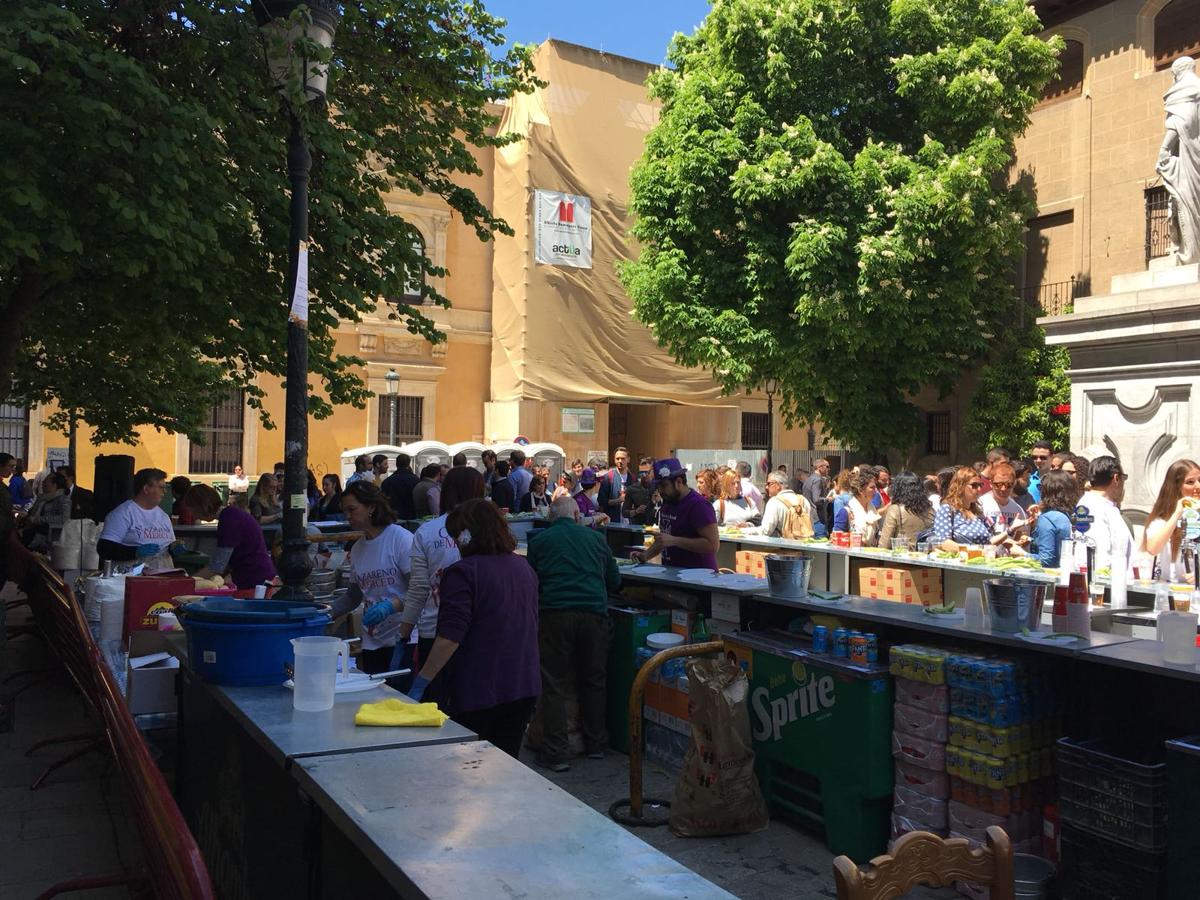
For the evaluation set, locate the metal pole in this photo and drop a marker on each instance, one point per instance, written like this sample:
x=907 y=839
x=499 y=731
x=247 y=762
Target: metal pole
x=293 y=564
x=770 y=429
x=392 y=424
x=72 y=433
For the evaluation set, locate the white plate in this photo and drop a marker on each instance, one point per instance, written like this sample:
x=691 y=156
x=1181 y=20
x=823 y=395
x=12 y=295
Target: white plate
x=353 y=684
x=957 y=616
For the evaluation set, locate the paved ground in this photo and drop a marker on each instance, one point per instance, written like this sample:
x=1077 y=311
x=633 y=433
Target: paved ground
x=781 y=862
x=77 y=824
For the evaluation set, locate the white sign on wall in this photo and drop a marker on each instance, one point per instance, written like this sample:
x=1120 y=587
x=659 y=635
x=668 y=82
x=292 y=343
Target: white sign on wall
x=562 y=229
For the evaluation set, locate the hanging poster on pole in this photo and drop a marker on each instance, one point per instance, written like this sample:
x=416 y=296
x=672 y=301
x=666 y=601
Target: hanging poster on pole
x=299 y=309
x=562 y=229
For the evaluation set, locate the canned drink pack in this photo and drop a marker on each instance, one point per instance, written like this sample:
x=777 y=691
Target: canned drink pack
x=841 y=642
x=820 y=639
x=858 y=649
x=872 y=648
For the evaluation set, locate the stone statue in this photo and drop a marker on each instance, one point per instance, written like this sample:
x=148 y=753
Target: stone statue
x=1179 y=161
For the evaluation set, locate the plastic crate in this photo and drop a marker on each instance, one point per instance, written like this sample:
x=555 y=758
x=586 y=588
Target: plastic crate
x=1112 y=797
x=1094 y=868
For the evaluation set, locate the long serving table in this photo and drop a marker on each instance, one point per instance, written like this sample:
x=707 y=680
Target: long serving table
x=467 y=820
x=307 y=804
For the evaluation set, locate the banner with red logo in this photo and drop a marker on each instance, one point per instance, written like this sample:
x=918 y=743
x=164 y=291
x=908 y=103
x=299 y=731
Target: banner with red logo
x=562 y=229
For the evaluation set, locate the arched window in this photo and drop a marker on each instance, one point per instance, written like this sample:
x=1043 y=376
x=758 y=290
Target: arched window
x=1069 y=81
x=415 y=281
x=1176 y=32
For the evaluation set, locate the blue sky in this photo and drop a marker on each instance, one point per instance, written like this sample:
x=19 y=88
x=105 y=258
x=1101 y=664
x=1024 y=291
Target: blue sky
x=640 y=30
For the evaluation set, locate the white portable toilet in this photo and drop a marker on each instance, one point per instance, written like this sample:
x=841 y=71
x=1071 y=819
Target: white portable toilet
x=349 y=456
x=426 y=453
x=550 y=455
x=473 y=450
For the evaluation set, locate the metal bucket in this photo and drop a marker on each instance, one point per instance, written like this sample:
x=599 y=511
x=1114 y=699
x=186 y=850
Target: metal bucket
x=787 y=576
x=1013 y=604
x=1034 y=878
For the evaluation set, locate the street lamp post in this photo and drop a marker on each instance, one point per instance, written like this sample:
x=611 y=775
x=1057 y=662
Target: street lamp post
x=287 y=64
x=771 y=386
x=393 y=385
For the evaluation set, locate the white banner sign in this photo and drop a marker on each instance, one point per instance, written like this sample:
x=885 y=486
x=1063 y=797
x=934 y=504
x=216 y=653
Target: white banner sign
x=562 y=229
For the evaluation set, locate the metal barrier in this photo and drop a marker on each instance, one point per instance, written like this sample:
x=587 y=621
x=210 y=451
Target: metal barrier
x=636 y=800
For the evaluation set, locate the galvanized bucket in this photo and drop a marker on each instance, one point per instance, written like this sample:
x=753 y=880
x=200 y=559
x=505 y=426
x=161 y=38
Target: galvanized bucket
x=787 y=576
x=1014 y=604
x=1034 y=878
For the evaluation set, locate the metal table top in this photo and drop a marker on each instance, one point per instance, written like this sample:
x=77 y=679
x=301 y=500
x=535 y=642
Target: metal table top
x=670 y=577
x=286 y=734
x=481 y=824
x=907 y=615
x=1142 y=656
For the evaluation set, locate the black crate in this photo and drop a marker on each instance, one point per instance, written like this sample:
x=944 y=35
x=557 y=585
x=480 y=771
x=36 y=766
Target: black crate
x=1113 y=797
x=1095 y=868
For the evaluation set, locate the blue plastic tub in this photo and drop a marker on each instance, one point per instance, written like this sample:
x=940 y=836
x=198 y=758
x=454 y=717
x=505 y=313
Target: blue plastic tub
x=246 y=653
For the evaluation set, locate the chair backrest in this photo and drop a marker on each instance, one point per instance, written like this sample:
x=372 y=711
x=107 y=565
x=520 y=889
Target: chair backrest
x=60 y=618
x=923 y=858
x=171 y=855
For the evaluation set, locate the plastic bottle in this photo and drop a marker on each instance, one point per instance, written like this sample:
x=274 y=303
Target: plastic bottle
x=700 y=632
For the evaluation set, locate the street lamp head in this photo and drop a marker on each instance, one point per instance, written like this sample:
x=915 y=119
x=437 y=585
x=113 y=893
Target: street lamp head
x=286 y=60
x=771 y=386
x=392 y=380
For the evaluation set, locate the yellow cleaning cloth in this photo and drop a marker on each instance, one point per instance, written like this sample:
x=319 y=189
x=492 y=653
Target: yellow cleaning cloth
x=397 y=712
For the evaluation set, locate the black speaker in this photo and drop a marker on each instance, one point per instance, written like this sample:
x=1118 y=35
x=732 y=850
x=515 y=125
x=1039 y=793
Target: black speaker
x=114 y=483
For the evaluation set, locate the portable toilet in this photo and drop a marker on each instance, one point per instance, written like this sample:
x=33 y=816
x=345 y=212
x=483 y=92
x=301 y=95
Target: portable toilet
x=473 y=450
x=549 y=455
x=426 y=453
x=348 y=457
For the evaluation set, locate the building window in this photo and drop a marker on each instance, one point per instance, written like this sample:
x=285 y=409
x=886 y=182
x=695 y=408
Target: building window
x=1069 y=81
x=221 y=448
x=415 y=281
x=937 y=438
x=1158 y=232
x=409 y=421
x=754 y=430
x=14 y=431
x=1176 y=32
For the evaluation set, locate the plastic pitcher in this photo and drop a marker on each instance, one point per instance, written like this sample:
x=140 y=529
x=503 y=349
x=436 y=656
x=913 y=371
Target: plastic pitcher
x=1179 y=637
x=316 y=671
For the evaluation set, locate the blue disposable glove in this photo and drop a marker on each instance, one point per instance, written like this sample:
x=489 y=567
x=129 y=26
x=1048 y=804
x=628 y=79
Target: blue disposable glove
x=145 y=550
x=377 y=612
x=417 y=690
x=176 y=549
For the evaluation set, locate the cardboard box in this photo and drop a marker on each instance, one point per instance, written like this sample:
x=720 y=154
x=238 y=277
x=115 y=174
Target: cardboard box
x=663 y=703
x=150 y=684
x=922 y=586
x=725 y=608
x=148 y=595
x=683 y=622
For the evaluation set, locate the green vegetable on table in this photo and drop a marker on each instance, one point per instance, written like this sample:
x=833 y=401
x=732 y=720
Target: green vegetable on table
x=1055 y=636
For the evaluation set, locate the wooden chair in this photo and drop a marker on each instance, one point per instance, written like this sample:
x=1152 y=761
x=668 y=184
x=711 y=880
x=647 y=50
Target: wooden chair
x=923 y=858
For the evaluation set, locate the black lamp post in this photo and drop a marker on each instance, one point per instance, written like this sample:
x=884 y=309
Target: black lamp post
x=291 y=65
x=771 y=386
x=393 y=386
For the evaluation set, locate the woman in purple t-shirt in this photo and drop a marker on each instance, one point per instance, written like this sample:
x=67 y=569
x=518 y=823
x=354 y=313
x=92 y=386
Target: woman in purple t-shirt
x=484 y=666
x=241 y=551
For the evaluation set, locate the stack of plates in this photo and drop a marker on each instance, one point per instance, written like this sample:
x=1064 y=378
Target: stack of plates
x=321 y=584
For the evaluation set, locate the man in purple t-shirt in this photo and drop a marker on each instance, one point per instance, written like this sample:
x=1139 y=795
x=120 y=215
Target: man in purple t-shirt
x=689 y=537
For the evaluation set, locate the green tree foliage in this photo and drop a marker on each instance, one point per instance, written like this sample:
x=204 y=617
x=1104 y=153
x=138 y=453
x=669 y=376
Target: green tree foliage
x=824 y=199
x=1018 y=392
x=144 y=202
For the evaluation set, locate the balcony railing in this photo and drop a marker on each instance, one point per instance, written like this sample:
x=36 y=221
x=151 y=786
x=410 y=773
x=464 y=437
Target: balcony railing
x=1051 y=299
x=1158 y=241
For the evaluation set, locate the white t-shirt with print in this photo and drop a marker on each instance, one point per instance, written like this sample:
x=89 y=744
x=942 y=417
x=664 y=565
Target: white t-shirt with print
x=434 y=551
x=133 y=525
x=380 y=567
x=992 y=508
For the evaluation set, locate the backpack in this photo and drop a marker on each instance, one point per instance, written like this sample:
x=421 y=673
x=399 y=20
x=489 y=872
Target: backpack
x=797 y=524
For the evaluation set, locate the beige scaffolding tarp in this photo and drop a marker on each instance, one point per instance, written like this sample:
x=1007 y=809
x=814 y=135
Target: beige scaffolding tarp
x=569 y=333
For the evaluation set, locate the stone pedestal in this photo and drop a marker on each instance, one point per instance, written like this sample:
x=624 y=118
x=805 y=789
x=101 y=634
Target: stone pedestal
x=1135 y=375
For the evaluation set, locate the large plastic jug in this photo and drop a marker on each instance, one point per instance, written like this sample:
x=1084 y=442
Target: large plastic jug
x=316 y=671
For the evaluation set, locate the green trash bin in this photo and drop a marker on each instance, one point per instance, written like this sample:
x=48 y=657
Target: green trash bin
x=822 y=739
x=630 y=627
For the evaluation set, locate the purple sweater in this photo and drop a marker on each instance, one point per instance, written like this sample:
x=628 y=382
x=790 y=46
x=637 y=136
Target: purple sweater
x=489 y=607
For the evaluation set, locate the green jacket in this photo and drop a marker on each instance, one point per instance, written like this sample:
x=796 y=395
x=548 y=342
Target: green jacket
x=574 y=566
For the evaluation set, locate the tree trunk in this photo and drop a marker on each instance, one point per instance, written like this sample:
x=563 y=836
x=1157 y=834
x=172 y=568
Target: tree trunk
x=31 y=287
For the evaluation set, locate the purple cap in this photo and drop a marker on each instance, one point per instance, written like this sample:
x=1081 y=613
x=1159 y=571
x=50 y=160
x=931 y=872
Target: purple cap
x=588 y=477
x=668 y=468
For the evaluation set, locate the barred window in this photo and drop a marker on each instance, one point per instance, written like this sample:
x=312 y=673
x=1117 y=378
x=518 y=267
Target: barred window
x=416 y=280
x=755 y=428
x=937 y=439
x=14 y=431
x=408 y=423
x=221 y=446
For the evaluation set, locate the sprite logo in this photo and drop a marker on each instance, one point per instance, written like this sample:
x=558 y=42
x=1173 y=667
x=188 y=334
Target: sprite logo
x=810 y=695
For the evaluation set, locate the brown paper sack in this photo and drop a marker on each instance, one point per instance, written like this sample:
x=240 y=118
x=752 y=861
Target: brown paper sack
x=718 y=792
